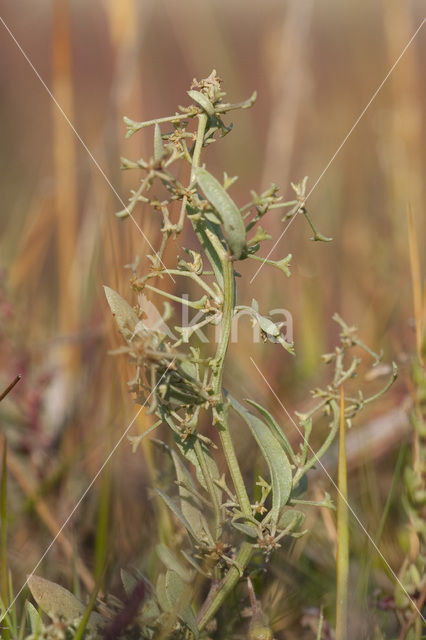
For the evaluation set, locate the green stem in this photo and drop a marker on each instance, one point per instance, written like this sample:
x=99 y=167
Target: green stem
x=202 y=123
x=193 y=276
x=342 y=532
x=221 y=409
x=134 y=126
x=321 y=451
x=221 y=591
x=197 y=304
x=317 y=235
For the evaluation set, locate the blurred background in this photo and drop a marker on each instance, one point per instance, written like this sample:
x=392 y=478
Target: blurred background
x=315 y=66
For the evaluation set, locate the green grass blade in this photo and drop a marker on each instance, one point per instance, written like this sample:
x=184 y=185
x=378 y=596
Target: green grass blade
x=3 y=530
x=342 y=531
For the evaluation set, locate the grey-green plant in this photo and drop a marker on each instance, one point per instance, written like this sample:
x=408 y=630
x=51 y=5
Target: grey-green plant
x=226 y=526
x=226 y=529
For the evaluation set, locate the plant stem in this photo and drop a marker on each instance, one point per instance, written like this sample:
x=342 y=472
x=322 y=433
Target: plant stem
x=195 y=277
x=198 y=304
x=202 y=123
x=220 y=591
x=222 y=409
x=324 y=447
x=218 y=362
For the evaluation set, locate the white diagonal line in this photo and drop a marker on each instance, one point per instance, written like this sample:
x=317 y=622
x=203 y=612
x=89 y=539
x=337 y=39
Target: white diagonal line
x=345 y=139
x=83 y=144
x=86 y=491
x=339 y=492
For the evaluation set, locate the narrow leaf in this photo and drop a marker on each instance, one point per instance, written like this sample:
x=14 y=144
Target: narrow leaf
x=275 y=456
x=159 y=150
x=203 y=228
x=187 y=450
x=291 y=519
x=233 y=225
x=160 y=592
x=248 y=529
x=190 y=505
x=177 y=512
x=129 y=582
x=202 y=100
x=34 y=617
x=170 y=561
x=276 y=430
x=125 y=316
x=178 y=593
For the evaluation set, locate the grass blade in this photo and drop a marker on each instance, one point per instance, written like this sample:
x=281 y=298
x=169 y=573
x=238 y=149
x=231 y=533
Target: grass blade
x=342 y=531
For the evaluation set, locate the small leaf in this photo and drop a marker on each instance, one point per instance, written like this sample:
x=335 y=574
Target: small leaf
x=270 y=330
x=212 y=216
x=160 y=592
x=129 y=582
x=203 y=229
x=125 y=316
x=291 y=519
x=275 y=456
x=150 y=611
x=131 y=578
x=170 y=561
x=177 y=592
x=278 y=433
x=187 y=450
x=159 y=151
x=284 y=265
x=234 y=229
x=300 y=489
x=177 y=512
x=259 y=236
x=248 y=529
x=189 y=504
x=36 y=623
x=202 y=100
x=57 y=602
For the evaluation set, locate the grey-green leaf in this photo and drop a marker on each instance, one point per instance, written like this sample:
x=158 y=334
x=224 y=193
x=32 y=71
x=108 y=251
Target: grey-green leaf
x=202 y=100
x=278 y=433
x=177 y=512
x=58 y=602
x=125 y=316
x=189 y=504
x=211 y=253
x=291 y=519
x=160 y=592
x=129 y=582
x=159 y=150
x=248 y=529
x=36 y=623
x=233 y=225
x=275 y=456
x=170 y=561
x=188 y=451
x=177 y=592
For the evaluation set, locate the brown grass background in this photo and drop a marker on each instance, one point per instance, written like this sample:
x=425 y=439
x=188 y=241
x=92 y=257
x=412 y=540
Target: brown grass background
x=315 y=66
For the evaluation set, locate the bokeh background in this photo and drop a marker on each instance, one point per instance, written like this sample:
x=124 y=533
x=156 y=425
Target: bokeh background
x=315 y=66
